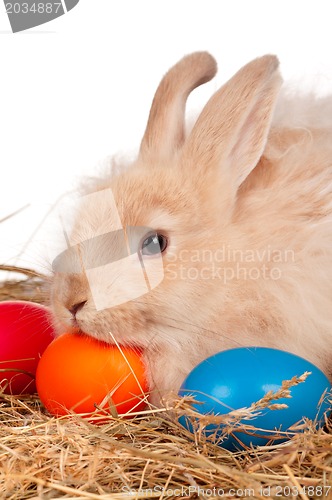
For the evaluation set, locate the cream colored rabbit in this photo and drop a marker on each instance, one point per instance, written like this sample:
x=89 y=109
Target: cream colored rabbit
x=237 y=216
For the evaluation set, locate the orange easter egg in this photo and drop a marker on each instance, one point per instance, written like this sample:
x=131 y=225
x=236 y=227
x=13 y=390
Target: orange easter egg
x=80 y=374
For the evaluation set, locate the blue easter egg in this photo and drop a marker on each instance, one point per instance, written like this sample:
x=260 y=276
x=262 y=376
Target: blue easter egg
x=236 y=378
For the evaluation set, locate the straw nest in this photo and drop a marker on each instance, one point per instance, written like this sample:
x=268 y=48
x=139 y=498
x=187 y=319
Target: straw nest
x=151 y=455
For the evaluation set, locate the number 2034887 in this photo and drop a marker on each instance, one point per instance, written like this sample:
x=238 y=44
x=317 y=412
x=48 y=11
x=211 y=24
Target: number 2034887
x=35 y=8
x=295 y=492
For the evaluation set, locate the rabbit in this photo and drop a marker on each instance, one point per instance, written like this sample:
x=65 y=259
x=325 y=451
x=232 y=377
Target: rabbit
x=237 y=215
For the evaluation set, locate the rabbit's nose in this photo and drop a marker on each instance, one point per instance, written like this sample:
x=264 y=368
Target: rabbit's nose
x=76 y=307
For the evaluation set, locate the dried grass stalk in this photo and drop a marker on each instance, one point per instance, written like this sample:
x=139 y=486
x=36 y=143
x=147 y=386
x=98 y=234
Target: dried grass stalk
x=32 y=287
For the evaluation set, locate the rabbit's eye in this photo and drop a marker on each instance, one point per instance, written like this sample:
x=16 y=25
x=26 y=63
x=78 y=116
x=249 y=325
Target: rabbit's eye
x=154 y=244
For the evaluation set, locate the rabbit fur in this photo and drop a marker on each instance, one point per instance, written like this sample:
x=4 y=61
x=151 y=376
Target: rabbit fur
x=244 y=200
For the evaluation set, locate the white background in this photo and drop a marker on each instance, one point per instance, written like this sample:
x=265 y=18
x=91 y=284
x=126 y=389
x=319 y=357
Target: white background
x=78 y=89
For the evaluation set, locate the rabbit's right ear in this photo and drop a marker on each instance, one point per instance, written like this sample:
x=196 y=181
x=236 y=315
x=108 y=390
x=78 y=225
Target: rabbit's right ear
x=230 y=134
x=164 y=134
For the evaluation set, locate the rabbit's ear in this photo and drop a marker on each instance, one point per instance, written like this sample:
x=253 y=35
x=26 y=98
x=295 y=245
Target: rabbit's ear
x=232 y=129
x=164 y=133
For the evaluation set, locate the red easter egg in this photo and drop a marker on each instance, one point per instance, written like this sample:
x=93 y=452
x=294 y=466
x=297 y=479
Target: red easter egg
x=25 y=332
x=81 y=374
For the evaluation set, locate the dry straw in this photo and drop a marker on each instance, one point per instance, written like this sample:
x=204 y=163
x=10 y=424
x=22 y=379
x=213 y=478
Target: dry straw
x=151 y=455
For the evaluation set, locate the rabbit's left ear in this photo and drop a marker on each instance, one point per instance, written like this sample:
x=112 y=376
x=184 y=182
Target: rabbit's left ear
x=232 y=129
x=164 y=134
